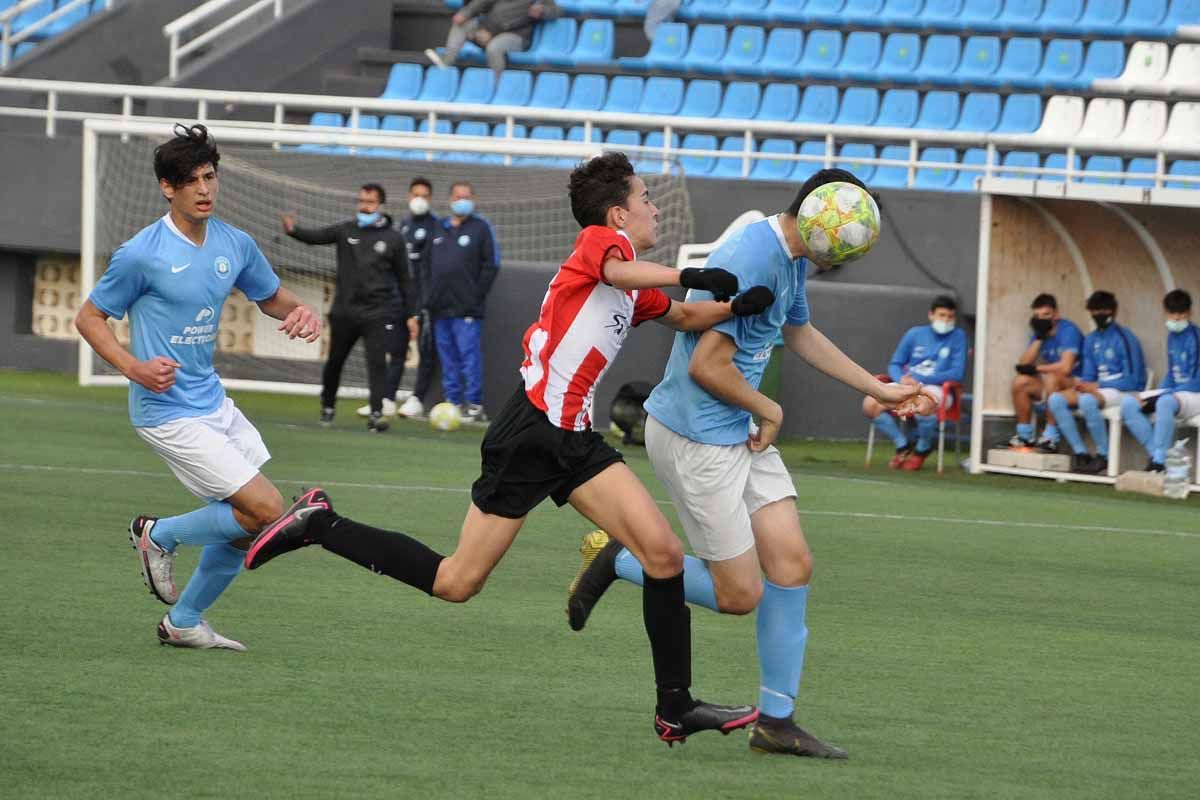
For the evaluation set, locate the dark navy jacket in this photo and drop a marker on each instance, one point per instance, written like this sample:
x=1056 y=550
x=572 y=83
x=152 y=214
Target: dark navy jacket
x=419 y=233
x=463 y=262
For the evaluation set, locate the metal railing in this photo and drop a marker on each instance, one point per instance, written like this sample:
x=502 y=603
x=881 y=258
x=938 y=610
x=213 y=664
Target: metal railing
x=176 y=29
x=8 y=18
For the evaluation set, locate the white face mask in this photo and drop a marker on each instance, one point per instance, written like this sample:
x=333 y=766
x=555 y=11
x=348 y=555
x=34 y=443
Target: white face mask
x=419 y=206
x=942 y=327
x=1177 y=325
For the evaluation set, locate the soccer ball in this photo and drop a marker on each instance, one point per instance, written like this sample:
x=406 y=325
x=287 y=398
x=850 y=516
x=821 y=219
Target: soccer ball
x=839 y=222
x=445 y=417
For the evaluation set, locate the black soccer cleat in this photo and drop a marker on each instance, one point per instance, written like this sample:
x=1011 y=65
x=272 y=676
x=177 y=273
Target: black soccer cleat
x=703 y=717
x=596 y=574
x=1155 y=466
x=1046 y=446
x=326 y=417
x=289 y=532
x=376 y=423
x=785 y=737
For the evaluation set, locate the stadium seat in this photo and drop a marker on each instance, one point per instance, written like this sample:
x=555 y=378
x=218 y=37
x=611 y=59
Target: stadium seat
x=470 y=128
x=746 y=46
x=1022 y=114
x=327 y=119
x=623 y=138
x=731 y=166
x=898 y=108
x=588 y=93
x=941 y=13
x=553 y=46
x=824 y=12
x=901 y=54
x=861 y=12
x=1020 y=64
x=1189 y=168
x=780 y=102
x=577 y=134
x=939 y=60
x=501 y=131
x=935 y=177
x=741 y=100
x=964 y=180
x=1020 y=161
x=550 y=90
x=1183 y=126
x=650 y=162
x=1105 y=61
x=784 y=11
x=980 y=58
x=404 y=82
x=1103 y=164
x=698 y=165
x=939 y=111
x=806 y=169
x=661 y=96
x=849 y=155
x=1147 y=166
x=1146 y=65
x=1104 y=119
x=981 y=15
x=366 y=122
x=442 y=127
x=703 y=9
x=667 y=49
x=748 y=9
x=774 y=169
x=1183 y=73
x=902 y=13
x=514 y=88
x=822 y=52
x=706 y=49
x=594 y=44
x=1146 y=123
x=1144 y=18
x=440 y=85
x=818 y=105
x=1020 y=15
x=861 y=56
x=1102 y=17
x=477 y=85
x=1181 y=13
x=1059 y=161
x=1060 y=15
x=860 y=106
x=892 y=175
x=980 y=113
x=702 y=99
x=397 y=123
x=1064 y=59
x=602 y=8
x=624 y=94
x=1063 y=118
x=781 y=55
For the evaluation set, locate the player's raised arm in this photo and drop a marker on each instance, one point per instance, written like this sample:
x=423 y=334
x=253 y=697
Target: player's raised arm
x=648 y=275
x=701 y=315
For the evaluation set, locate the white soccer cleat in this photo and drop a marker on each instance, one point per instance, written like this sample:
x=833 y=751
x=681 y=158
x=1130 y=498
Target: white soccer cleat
x=157 y=564
x=435 y=58
x=198 y=637
x=389 y=409
x=412 y=408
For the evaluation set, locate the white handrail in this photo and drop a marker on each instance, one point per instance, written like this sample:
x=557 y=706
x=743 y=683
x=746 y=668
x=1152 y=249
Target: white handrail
x=8 y=39
x=175 y=29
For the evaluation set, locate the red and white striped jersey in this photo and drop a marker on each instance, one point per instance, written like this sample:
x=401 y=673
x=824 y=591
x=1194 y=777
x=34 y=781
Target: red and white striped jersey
x=581 y=327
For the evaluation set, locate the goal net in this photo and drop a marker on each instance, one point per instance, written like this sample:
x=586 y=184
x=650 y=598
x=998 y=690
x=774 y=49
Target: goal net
x=315 y=175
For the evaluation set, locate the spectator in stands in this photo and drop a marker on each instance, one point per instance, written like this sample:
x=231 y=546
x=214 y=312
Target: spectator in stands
x=463 y=261
x=370 y=300
x=657 y=13
x=419 y=228
x=1113 y=365
x=498 y=26
x=1049 y=364
x=928 y=354
x=1179 y=395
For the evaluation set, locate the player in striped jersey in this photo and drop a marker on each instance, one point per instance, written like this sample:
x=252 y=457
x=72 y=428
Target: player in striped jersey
x=542 y=445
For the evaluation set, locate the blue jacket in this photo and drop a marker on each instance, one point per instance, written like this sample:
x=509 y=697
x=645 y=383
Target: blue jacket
x=1113 y=358
x=419 y=233
x=1067 y=338
x=463 y=262
x=1183 y=361
x=930 y=357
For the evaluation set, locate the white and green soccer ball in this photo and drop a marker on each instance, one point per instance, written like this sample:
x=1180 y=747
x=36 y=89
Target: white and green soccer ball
x=445 y=417
x=839 y=222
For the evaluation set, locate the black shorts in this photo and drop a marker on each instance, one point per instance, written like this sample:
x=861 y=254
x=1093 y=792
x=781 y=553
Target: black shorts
x=527 y=459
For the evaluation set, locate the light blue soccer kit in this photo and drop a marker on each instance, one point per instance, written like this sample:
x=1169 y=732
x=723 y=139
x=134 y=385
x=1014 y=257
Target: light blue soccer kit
x=174 y=292
x=930 y=358
x=1112 y=359
x=1067 y=338
x=1182 y=397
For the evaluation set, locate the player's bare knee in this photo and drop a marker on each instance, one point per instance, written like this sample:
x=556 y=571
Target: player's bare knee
x=740 y=600
x=794 y=569
x=665 y=558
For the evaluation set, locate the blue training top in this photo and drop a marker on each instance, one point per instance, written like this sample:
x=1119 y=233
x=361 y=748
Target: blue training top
x=1183 y=360
x=930 y=357
x=1067 y=338
x=174 y=292
x=1113 y=359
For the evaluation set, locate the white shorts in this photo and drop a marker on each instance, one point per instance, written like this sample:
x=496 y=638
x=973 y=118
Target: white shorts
x=1112 y=397
x=1189 y=404
x=716 y=488
x=212 y=456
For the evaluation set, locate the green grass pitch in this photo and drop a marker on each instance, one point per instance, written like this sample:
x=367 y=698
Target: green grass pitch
x=969 y=637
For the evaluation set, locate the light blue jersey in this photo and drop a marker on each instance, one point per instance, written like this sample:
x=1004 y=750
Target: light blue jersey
x=930 y=357
x=758 y=255
x=174 y=292
x=1113 y=359
x=1183 y=360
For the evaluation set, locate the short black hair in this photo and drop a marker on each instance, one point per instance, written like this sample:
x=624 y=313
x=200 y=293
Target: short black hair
x=943 y=301
x=376 y=188
x=597 y=185
x=821 y=178
x=1102 y=301
x=1177 y=301
x=177 y=158
x=419 y=181
x=1044 y=300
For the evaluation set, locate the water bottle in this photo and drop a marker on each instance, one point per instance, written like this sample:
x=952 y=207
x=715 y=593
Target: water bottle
x=1177 y=481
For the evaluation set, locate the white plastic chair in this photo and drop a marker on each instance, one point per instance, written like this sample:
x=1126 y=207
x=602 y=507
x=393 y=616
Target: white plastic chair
x=1183 y=73
x=1145 y=123
x=1183 y=126
x=1062 y=119
x=1144 y=68
x=1103 y=120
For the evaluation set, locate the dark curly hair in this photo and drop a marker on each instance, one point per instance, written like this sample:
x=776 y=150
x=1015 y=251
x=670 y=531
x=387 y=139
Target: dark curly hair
x=177 y=158
x=1101 y=301
x=596 y=186
x=820 y=179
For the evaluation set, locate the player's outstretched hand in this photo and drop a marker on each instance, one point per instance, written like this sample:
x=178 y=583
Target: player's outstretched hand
x=722 y=284
x=156 y=374
x=302 y=322
x=907 y=399
x=754 y=300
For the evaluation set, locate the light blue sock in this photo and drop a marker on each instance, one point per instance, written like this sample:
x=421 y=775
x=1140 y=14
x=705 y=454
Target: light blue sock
x=1051 y=433
x=1164 y=426
x=219 y=565
x=926 y=429
x=1066 y=423
x=1025 y=431
x=1136 y=423
x=1097 y=425
x=888 y=426
x=213 y=524
x=697 y=581
x=782 y=636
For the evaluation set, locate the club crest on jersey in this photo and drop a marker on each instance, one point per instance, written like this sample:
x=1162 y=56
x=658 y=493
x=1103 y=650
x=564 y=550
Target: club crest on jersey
x=222 y=267
x=944 y=352
x=419 y=234
x=619 y=324
x=464 y=240
x=381 y=247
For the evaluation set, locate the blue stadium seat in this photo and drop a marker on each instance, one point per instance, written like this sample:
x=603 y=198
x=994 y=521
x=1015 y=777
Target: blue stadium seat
x=824 y=12
x=1020 y=161
x=500 y=131
x=1144 y=18
x=602 y=8
x=849 y=155
x=784 y=11
x=327 y=119
x=1189 y=168
x=898 y=108
x=650 y=162
x=783 y=51
x=940 y=59
x=576 y=134
x=964 y=180
x=623 y=138
x=1060 y=15
x=547 y=133
x=746 y=45
x=862 y=12
x=806 y=169
x=980 y=58
x=861 y=56
x=748 y=9
x=860 y=106
x=1059 y=161
x=593 y=46
x=1141 y=165
x=550 y=90
x=624 y=94
x=935 y=177
x=554 y=43
x=780 y=102
x=1182 y=12
x=514 y=88
x=901 y=54
x=774 y=169
x=741 y=100
x=1102 y=17
x=666 y=50
x=706 y=49
x=703 y=9
x=477 y=85
x=469 y=128
x=939 y=111
x=821 y=54
x=1021 y=62
x=818 y=105
x=397 y=123
x=588 y=93
x=702 y=99
x=440 y=85
x=661 y=96
x=730 y=166
x=981 y=15
x=1021 y=15
x=1064 y=58
x=1103 y=164
x=404 y=82
x=941 y=13
x=902 y=13
x=442 y=127
x=1105 y=59
x=1022 y=114
x=980 y=113
x=892 y=175
x=366 y=122
x=698 y=165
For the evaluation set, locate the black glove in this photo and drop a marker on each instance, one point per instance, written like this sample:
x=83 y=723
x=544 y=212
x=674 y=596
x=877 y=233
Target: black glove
x=754 y=300
x=722 y=284
x=1027 y=369
x=1041 y=327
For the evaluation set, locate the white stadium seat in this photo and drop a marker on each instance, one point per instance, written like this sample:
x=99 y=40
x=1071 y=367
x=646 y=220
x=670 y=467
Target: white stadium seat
x=1145 y=123
x=1063 y=118
x=1144 y=69
x=1183 y=127
x=1104 y=119
x=1183 y=73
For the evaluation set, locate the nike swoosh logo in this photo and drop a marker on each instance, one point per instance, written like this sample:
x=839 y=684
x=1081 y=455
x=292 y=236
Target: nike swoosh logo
x=181 y=269
x=352 y=240
x=301 y=513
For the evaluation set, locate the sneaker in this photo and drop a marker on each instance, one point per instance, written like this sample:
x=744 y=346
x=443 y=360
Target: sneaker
x=915 y=461
x=389 y=409
x=704 y=717
x=435 y=58
x=377 y=424
x=288 y=532
x=785 y=737
x=158 y=565
x=902 y=454
x=473 y=412
x=412 y=407
x=200 y=637
x=1046 y=446
x=326 y=417
x=1020 y=443
x=1154 y=466
x=596 y=574
x=1097 y=465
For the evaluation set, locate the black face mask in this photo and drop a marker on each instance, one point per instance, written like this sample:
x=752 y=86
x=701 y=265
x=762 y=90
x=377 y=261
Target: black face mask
x=1041 y=326
x=1102 y=320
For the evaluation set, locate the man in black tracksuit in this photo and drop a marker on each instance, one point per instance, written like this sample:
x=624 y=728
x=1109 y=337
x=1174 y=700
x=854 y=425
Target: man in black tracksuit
x=419 y=228
x=371 y=298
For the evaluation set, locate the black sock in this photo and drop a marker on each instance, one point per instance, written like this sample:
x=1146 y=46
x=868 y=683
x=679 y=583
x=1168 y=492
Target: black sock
x=384 y=552
x=669 y=626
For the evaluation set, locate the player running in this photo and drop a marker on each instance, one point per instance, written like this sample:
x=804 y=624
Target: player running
x=734 y=496
x=172 y=278
x=542 y=445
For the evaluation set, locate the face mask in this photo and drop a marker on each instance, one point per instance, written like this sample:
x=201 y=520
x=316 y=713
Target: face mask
x=1102 y=320
x=463 y=207
x=366 y=220
x=419 y=206
x=1177 y=325
x=942 y=327
x=1040 y=325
